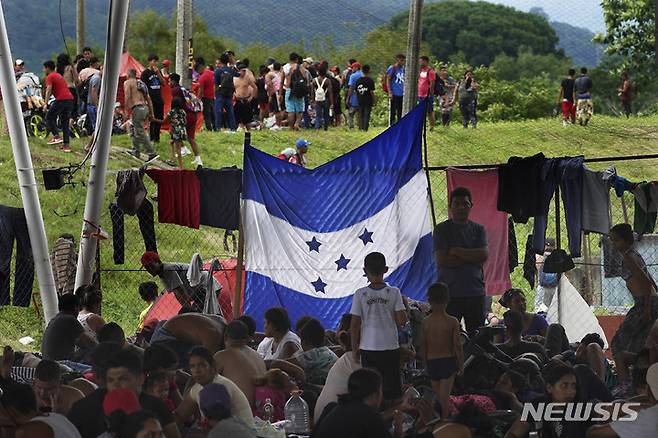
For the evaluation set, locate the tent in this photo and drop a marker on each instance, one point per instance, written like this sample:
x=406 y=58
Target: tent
x=166 y=305
x=129 y=62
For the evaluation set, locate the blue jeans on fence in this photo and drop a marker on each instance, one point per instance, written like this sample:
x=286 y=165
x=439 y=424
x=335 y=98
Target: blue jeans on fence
x=13 y=226
x=221 y=103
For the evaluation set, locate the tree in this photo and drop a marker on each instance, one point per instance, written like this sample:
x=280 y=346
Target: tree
x=630 y=33
x=481 y=31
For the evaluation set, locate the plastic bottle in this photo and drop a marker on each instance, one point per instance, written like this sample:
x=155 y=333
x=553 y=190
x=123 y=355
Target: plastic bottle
x=296 y=412
x=411 y=395
x=268 y=410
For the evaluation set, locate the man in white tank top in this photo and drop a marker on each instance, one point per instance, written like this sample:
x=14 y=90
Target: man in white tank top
x=19 y=405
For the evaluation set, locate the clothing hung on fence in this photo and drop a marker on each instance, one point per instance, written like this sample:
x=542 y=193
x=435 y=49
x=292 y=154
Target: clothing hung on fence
x=483 y=185
x=518 y=187
x=596 y=202
x=178 y=196
x=568 y=173
x=220 y=197
x=13 y=227
x=512 y=247
x=529 y=262
x=146 y=227
x=64 y=262
x=130 y=191
x=646 y=205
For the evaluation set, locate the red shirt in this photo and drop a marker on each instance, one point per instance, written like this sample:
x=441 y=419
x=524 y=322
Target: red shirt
x=178 y=197
x=60 y=89
x=207 y=84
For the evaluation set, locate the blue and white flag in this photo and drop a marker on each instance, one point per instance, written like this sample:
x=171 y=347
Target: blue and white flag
x=307 y=231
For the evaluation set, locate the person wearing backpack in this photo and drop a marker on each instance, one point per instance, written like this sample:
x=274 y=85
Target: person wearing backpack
x=395 y=87
x=297 y=87
x=224 y=90
x=192 y=108
x=352 y=102
x=323 y=96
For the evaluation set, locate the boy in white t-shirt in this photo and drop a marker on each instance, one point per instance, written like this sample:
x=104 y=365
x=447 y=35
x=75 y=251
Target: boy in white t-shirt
x=377 y=312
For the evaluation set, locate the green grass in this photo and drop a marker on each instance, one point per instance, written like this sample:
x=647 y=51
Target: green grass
x=490 y=143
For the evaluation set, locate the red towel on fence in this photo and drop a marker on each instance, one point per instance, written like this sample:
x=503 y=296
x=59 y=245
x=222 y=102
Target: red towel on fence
x=178 y=196
x=483 y=185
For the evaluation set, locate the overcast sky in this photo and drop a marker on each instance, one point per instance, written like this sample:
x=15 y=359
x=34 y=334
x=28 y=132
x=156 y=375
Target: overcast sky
x=581 y=13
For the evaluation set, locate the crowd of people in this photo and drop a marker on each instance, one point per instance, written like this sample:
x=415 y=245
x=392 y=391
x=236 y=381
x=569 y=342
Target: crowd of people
x=392 y=366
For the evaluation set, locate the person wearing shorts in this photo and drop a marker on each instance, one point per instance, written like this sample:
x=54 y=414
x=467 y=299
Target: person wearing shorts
x=243 y=114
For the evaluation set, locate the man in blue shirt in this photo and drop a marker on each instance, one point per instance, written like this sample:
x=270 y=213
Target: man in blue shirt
x=395 y=85
x=224 y=90
x=352 y=98
x=460 y=249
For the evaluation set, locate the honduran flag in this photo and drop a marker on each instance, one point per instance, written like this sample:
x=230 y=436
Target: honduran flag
x=307 y=231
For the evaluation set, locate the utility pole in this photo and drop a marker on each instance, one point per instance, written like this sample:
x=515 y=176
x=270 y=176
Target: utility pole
x=26 y=180
x=79 y=26
x=101 y=145
x=655 y=24
x=413 y=54
x=184 y=41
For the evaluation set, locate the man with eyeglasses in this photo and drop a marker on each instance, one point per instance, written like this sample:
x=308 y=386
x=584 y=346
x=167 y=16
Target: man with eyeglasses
x=460 y=250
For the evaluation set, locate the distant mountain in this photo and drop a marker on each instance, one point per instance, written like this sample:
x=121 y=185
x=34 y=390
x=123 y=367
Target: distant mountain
x=35 y=35
x=576 y=41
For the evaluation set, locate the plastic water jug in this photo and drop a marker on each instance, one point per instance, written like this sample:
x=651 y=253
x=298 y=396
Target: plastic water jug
x=296 y=412
x=268 y=410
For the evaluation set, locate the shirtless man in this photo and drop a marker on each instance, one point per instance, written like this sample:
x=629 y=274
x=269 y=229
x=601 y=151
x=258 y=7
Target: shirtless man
x=294 y=105
x=52 y=396
x=238 y=362
x=182 y=332
x=444 y=355
x=245 y=90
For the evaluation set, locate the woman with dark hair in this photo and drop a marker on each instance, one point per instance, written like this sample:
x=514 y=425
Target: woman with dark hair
x=70 y=75
x=533 y=323
x=355 y=415
x=279 y=342
x=633 y=332
x=561 y=386
x=90 y=305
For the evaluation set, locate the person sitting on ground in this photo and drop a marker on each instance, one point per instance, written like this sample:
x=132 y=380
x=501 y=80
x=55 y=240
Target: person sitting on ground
x=533 y=323
x=157 y=385
x=204 y=372
x=645 y=423
x=632 y=335
x=64 y=332
x=274 y=385
x=148 y=291
x=123 y=370
x=340 y=372
x=377 y=312
x=279 y=342
x=215 y=405
x=19 y=404
x=52 y=396
x=182 y=332
x=251 y=330
x=355 y=415
x=590 y=353
x=125 y=417
x=90 y=300
x=315 y=358
x=515 y=345
x=299 y=157
x=174 y=278
x=162 y=359
x=238 y=362
x=444 y=355
x=470 y=422
x=112 y=332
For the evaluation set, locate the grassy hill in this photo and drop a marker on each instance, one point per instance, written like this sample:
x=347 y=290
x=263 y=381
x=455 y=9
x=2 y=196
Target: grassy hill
x=490 y=143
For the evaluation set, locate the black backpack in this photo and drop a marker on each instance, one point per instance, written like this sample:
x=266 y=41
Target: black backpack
x=226 y=87
x=298 y=84
x=83 y=90
x=439 y=87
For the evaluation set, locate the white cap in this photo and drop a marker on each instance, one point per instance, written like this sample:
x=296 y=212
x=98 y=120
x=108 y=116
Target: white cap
x=309 y=60
x=652 y=379
x=20 y=62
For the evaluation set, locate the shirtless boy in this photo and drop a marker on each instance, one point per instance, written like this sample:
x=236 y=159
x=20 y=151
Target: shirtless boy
x=444 y=355
x=238 y=362
x=245 y=90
